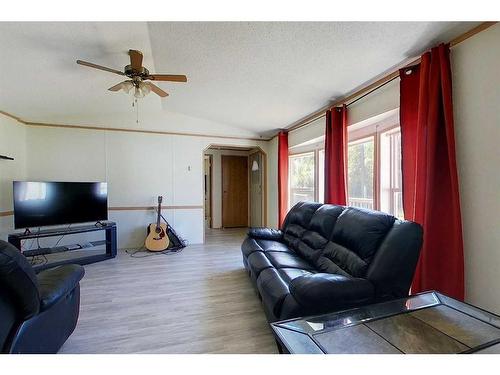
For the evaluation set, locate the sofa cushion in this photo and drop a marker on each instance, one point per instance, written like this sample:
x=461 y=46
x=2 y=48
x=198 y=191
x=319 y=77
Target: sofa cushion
x=292 y=235
x=257 y=261
x=265 y=234
x=301 y=214
x=362 y=231
x=324 y=218
x=288 y=260
x=288 y=274
x=273 y=290
x=339 y=260
x=309 y=239
x=56 y=283
x=249 y=246
x=297 y=222
x=274 y=246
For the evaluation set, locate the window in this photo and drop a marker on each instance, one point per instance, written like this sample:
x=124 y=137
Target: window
x=321 y=175
x=360 y=173
x=374 y=166
x=307 y=176
x=391 y=195
x=301 y=178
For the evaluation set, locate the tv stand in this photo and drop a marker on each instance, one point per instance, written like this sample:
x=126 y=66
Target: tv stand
x=109 y=228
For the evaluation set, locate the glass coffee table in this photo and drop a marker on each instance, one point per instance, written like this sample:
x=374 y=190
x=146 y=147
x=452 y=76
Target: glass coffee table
x=427 y=323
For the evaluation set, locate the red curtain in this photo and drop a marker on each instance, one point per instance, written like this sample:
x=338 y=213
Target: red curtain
x=430 y=181
x=282 y=176
x=335 y=156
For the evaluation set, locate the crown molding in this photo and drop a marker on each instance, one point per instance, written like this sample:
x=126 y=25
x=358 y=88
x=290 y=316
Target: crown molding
x=100 y=128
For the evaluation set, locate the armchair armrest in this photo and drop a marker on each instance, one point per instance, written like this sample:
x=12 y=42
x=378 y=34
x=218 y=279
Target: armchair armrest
x=265 y=234
x=325 y=292
x=57 y=282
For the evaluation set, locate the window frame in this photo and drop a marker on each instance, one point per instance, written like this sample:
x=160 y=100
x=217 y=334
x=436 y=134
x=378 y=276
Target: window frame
x=389 y=131
x=358 y=140
x=374 y=130
x=315 y=150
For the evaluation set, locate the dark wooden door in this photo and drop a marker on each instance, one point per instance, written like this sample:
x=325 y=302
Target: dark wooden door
x=234 y=191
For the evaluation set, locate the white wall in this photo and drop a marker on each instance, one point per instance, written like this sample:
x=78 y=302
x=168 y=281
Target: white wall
x=13 y=144
x=138 y=167
x=476 y=82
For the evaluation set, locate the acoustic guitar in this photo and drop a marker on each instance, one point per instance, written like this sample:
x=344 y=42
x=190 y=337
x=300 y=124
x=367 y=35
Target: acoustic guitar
x=157 y=239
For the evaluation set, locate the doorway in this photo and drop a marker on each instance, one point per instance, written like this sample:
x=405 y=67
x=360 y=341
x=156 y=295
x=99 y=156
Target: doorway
x=235 y=186
x=234 y=191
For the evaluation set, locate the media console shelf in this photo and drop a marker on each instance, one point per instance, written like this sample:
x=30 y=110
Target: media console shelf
x=109 y=227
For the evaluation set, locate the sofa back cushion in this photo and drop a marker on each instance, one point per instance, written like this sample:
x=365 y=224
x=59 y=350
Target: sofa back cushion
x=356 y=237
x=297 y=222
x=320 y=228
x=362 y=231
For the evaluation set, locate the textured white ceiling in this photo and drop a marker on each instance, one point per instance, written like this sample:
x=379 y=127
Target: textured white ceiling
x=245 y=78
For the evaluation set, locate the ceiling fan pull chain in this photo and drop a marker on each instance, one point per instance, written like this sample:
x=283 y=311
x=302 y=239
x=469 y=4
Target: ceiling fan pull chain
x=137 y=110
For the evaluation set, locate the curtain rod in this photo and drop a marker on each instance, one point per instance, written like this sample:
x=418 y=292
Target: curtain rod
x=372 y=90
x=364 y=91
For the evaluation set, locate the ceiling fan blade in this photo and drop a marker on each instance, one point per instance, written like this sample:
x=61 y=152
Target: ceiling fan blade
x=135 y=59
x=167 y=77
x=117 y=87
x=157 y=90
x=100 y=67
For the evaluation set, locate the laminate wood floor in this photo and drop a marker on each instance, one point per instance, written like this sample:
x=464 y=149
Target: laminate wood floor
x=197 y=301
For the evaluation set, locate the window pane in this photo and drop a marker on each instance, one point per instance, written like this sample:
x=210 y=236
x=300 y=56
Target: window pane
x=391 y=197
x=301 y=178
x=321 y=176
x=360 y=173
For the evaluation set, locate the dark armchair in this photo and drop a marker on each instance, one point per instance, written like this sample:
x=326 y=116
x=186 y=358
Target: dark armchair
x=38 y=312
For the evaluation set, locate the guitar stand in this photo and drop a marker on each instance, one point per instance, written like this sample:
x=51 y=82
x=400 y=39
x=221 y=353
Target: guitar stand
x=177 y=242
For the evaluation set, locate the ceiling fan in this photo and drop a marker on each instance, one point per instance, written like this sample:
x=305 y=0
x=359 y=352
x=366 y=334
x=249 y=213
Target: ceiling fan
x=137 y=74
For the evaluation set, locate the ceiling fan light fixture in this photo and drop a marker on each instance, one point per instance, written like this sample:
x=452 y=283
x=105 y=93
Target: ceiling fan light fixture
x=138 y=93
x=127 y=86
x=145 y=87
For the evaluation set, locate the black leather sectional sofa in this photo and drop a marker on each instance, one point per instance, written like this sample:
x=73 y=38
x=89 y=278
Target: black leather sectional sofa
x=327 y=258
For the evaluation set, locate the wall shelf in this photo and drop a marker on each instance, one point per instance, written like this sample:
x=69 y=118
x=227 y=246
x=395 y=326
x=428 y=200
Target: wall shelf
x=6 y=157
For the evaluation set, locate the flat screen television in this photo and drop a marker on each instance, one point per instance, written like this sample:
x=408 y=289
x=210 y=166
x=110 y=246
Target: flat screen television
x=38 y=203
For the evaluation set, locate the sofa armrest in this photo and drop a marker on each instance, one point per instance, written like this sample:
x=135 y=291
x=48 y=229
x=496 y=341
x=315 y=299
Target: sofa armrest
x=265 y=234
x=325 y=292
x=57 y=282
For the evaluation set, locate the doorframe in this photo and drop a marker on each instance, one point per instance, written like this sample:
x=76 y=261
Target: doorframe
x=210 y=173
x=264 y=186
x=263 y=183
